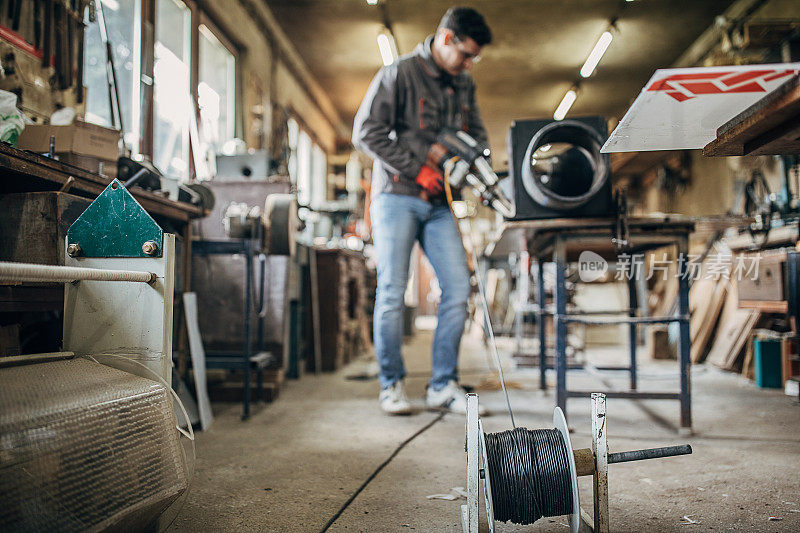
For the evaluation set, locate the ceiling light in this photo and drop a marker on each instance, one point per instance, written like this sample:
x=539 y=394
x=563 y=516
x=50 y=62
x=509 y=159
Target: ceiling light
x=372 y=2
x=596 y=54
x=566 y=103
x=386 y=48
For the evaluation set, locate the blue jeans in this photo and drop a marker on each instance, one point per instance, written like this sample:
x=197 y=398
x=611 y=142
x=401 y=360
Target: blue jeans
x=397 y=221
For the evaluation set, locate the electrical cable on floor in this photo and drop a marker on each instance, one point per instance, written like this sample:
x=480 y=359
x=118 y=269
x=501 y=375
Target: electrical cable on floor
x=487 y=318
x=530 y=474
x=377 y=471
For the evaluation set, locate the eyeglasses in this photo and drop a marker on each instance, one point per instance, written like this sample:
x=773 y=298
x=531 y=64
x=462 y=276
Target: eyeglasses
x=466 y=56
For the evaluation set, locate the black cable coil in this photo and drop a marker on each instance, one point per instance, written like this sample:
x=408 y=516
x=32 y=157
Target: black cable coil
x=529 y=474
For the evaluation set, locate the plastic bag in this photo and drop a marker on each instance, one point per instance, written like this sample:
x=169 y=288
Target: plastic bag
x=11 y=120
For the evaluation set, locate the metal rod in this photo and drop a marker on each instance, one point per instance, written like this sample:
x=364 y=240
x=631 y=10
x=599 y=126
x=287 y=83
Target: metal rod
x=541 y=329
x=562 y=317
x=560 y=297
x=632 y=325
x=32 y=272
x=651 y=453
x=685 y=343
x=630 y=395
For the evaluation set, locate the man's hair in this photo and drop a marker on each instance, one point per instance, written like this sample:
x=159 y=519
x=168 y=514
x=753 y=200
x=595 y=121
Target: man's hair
x=466 y=22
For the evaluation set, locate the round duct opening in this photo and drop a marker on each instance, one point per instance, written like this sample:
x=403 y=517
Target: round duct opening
x=563 y=167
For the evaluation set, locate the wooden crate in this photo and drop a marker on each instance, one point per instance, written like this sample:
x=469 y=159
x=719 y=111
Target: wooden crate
x=33 y=225
x=341 y=299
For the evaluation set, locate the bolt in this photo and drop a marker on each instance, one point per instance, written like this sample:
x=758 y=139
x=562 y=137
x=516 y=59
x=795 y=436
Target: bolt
x=74 y=250
x=150 y=248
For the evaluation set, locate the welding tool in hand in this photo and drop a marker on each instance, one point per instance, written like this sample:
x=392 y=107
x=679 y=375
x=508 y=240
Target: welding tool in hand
x=463 y=161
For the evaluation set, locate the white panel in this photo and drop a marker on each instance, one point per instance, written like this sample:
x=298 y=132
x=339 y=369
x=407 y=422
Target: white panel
x=198 y=359
x=681 y=108
x=132 y=320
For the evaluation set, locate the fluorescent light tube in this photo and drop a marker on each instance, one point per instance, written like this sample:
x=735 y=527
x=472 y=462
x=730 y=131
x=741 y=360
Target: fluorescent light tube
x=596 y=54
x=372 y=2
x=386 y=49
x=566 y=103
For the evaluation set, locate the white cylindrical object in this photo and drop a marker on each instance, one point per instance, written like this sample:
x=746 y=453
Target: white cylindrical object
x=33 y=272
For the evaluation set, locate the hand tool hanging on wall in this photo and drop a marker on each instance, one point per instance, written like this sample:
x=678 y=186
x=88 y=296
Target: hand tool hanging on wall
x=47 y=32
x=14 y=9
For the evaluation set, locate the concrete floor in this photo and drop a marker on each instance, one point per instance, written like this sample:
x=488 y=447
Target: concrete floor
x=296 y=462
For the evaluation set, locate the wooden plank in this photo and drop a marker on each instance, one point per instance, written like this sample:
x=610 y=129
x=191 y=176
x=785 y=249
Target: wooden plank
x=703 y=336
x=771 y=126
x=765 y=306
x=733 y=329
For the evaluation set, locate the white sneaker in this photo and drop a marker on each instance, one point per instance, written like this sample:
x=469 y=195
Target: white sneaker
x=451 y=398
x=393 y=399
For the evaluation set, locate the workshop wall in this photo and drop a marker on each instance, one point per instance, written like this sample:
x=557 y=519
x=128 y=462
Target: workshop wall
x=715 y=184
x=258 y=84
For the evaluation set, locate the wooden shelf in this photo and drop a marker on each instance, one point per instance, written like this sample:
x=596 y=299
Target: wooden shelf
x=771 y=126
x=25 y=171
x=765 y=306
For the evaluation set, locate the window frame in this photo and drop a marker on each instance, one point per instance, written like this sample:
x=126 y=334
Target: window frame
x=143 y=116
x=205 y=20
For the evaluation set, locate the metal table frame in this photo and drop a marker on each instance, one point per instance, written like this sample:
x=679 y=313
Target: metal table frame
x=245 y=359
x=547 y=241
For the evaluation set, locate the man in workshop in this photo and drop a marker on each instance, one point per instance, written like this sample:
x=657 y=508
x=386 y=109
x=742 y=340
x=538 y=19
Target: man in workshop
x=407 y=105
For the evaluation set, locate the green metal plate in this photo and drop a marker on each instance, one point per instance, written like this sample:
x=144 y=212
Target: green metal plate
x=115 y=225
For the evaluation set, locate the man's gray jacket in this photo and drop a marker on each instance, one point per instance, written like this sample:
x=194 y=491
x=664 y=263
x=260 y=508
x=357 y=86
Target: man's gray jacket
x=406 y=106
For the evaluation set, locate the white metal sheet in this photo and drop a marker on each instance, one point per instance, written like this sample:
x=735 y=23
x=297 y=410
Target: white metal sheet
x=681 y=108
x=198 y=359
x=123 y=320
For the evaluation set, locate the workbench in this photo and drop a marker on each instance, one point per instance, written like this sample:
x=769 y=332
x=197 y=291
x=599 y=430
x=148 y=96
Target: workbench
x=22 y=171
x=246 y=358
x=561 y=241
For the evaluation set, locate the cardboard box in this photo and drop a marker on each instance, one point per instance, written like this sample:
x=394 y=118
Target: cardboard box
x=768 y=285
x=79 y=137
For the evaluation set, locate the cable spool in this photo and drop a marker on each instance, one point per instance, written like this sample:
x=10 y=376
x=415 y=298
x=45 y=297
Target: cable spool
x=528 y=474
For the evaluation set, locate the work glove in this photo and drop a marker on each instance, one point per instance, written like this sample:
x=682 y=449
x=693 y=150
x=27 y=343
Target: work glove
x=431 y=180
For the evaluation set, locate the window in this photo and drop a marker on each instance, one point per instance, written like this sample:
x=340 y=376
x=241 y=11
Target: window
x=216 y=91
x=292 y=134
x=172 y=104
x=304 y=169
x=319 y=177
x=123 y=23
x=308 y=166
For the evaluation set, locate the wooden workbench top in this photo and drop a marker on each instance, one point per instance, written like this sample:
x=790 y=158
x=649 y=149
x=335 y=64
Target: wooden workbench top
x=535 y=235
x=24 y=171
x=571 y=224
x=771 y=126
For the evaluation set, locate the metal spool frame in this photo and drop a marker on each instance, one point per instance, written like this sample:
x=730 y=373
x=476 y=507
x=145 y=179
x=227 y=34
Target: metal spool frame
x=583 y=462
